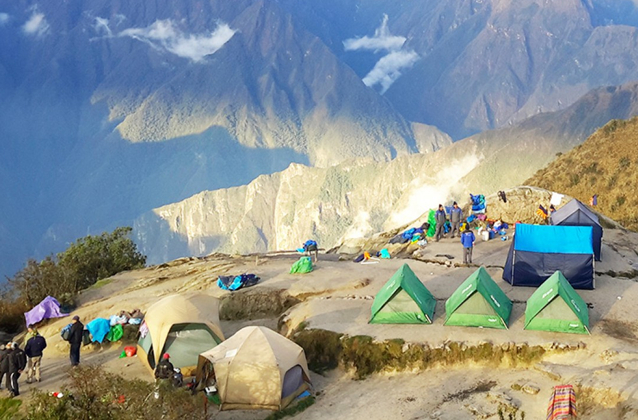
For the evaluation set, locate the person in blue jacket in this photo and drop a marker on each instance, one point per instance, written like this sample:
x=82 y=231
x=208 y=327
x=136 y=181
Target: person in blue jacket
x=467 y=240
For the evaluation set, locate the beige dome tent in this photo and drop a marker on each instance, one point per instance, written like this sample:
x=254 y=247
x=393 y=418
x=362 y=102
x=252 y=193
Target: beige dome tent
x=182 y=325
x=256 y=368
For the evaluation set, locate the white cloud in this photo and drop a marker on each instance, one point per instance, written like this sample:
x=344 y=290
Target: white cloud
x=388 y=69
x=4 y=18
x=164 y=35
x=102 y=26
x=36 y=25
x=382 y=40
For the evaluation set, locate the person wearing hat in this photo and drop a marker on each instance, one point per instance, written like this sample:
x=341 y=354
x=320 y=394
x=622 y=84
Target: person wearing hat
x=165 y=368
x=440 y=218
x=75 y=338
x=456 y=215
x=34 y=349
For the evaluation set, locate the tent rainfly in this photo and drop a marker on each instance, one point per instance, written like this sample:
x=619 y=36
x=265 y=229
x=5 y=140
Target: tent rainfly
x=256 y=368
x=403 y=300
x=537 y=251
x=576 y=213
x=183 y=326
x=478 y=302
x=556 y=306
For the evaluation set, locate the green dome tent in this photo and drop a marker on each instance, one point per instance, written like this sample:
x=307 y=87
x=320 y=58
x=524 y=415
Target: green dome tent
x=556 y=306
x=478 y=302
x=403 y=300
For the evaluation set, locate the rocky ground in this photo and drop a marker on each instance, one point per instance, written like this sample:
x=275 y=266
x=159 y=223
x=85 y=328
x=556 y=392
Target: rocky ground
x=337 y=296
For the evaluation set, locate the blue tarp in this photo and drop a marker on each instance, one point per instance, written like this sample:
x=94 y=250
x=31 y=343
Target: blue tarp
x=234 y=283
x=99 y=328
x=554 y=239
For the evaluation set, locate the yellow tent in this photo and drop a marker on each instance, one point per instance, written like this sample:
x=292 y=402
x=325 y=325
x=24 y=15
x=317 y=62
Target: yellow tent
x=256 y=368
x=182 y=325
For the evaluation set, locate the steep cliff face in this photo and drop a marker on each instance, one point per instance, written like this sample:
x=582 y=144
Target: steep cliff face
x=481 y=64
x=362 y=197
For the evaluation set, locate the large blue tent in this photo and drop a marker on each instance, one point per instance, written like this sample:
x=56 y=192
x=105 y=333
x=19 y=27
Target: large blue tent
x=537 y=251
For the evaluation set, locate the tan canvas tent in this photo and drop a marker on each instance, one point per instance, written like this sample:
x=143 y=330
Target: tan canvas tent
x=256 y=368
x=182 y=325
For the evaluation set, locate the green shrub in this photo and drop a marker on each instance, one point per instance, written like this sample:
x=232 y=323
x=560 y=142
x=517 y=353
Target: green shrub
x=9 y=409
x=81 y=265
x=94 y=394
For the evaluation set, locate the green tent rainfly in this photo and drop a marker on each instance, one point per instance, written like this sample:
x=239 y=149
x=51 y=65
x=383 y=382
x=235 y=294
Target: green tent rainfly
x=556 y=306
x=301 y=266
x=478 y=302
x=403 y=300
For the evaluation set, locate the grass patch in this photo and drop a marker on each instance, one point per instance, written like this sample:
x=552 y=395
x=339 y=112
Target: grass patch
x=621 y=330
x=101 y=283
x=9 y=408
x=255 y=304
x=292 y=410
x=364 y=356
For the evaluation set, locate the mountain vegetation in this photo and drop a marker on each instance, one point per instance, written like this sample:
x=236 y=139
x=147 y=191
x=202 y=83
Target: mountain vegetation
x=603 y=165
x=81 y=265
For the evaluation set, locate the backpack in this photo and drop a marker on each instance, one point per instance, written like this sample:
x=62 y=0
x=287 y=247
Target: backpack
x=66 y=332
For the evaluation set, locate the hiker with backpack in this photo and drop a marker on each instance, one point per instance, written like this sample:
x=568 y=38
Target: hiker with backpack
x=34 y=349
x=17 y=364
x=75 y=338
x=311 y=246
x=440 y=218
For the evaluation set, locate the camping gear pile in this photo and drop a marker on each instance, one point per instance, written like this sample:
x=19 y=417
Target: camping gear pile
x=479 y=302
x=233 y=283
x=411 y=235
x=367 y=257
x=478 y=203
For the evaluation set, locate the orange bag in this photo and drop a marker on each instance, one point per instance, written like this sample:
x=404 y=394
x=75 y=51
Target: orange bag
x=130 y=351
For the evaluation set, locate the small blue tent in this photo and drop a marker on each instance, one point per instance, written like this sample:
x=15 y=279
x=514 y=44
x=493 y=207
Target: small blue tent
x=537 y=251
x=576 y=213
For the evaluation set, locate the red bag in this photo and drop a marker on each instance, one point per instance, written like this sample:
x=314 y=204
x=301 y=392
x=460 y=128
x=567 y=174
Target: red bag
x=130 y=351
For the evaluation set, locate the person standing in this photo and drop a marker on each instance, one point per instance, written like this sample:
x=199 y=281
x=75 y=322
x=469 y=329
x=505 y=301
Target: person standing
x=440 y=218
x=75 y=338
x=467 y=240
x=17 y=364
x=456 y=215
x=34 y=348
x=4 y=364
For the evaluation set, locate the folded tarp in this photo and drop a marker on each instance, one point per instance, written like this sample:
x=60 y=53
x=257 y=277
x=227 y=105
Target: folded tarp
x=48 y=308
x=99 y=328
x=302 y=266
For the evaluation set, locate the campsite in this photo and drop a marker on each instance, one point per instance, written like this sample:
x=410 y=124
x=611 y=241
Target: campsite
x=474 y=341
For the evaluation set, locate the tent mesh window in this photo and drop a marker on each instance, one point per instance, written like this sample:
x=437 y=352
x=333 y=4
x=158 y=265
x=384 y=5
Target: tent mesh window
x=293 y=380
x=400 y=302
x=186 y=341
x=557 y=309
x=476 y=305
